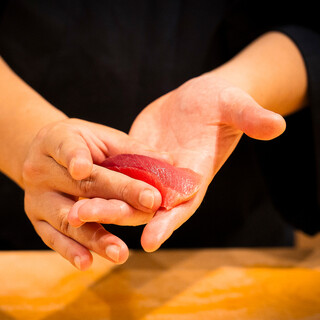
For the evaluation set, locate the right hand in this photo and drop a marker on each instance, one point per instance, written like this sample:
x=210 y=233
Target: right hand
x=61 y=167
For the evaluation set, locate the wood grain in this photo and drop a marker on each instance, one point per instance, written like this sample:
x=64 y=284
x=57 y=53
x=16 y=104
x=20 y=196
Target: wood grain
x=168 y=284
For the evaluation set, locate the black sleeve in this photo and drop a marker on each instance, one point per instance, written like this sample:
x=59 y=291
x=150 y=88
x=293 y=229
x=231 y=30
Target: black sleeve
x=308 y=42
x=291 y=163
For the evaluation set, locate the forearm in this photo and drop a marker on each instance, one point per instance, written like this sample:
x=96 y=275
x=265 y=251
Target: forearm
x=271 y=69
x=23 y=112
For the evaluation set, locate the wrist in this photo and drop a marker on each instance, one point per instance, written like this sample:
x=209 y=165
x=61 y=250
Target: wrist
x=270 y=69
x=23 y=113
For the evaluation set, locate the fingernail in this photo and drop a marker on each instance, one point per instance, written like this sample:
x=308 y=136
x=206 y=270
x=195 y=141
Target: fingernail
x=80 y=167
x=77 y=262
x=113 y=252
x=146 y=199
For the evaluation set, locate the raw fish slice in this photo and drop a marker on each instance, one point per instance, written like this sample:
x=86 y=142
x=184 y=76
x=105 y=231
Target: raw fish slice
x=176 y=185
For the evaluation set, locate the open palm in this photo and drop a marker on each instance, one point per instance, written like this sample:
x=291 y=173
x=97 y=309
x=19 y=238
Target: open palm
x=199 y=124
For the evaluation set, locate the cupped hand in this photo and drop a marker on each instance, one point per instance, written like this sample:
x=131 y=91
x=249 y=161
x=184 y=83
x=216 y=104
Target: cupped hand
x=61 y=168
x=199 y=124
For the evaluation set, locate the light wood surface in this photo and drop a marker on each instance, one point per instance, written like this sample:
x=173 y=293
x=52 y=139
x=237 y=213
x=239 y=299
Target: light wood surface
x=195 y=284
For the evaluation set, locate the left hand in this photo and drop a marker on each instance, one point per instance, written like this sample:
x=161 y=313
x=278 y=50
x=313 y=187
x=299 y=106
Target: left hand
x=199 y=124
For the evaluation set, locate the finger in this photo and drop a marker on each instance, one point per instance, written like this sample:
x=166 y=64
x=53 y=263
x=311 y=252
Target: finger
x=106 y=211
x=54 y=208
x=241 y=111
x=138 y=194
x=73 y=216
x=97 y=239
x=158 y=230
x=71 y=250
x=161 y=227
x=165 y=222
x=107 y=184
x=65 y=144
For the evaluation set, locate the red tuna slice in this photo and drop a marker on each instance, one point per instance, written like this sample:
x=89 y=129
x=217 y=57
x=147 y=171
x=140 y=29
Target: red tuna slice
x=176 y=185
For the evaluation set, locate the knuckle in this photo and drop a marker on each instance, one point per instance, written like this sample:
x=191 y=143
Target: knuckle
x=30 y=170
x=64 y=225
x=52 y=242
x=67 y=253
x=59 y=149
x=87 y=186
x=49 y=240
x=127 y=189
x=100 y=238
x=59 y=127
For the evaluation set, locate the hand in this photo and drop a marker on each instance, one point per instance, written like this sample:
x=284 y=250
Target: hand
x=61 y=167
x=199 y=124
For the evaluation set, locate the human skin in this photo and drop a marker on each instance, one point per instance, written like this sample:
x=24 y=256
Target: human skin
x=53 y=158
x=218 y=107
x=200 y=123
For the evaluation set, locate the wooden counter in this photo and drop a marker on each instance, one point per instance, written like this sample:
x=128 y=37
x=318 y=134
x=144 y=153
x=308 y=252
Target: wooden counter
x=178 y=284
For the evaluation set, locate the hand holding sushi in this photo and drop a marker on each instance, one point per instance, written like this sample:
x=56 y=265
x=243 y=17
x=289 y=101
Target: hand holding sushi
x=61 y=167
x=201 y=122
x=53 y=159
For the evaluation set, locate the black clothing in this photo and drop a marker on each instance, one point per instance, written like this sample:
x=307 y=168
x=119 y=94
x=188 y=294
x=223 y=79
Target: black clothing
x=104 y=61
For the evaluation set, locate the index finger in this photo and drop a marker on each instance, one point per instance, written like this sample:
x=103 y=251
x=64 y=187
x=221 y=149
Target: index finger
x=103 y=183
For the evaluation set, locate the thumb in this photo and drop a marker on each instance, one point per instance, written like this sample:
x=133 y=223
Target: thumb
x=245 y=114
